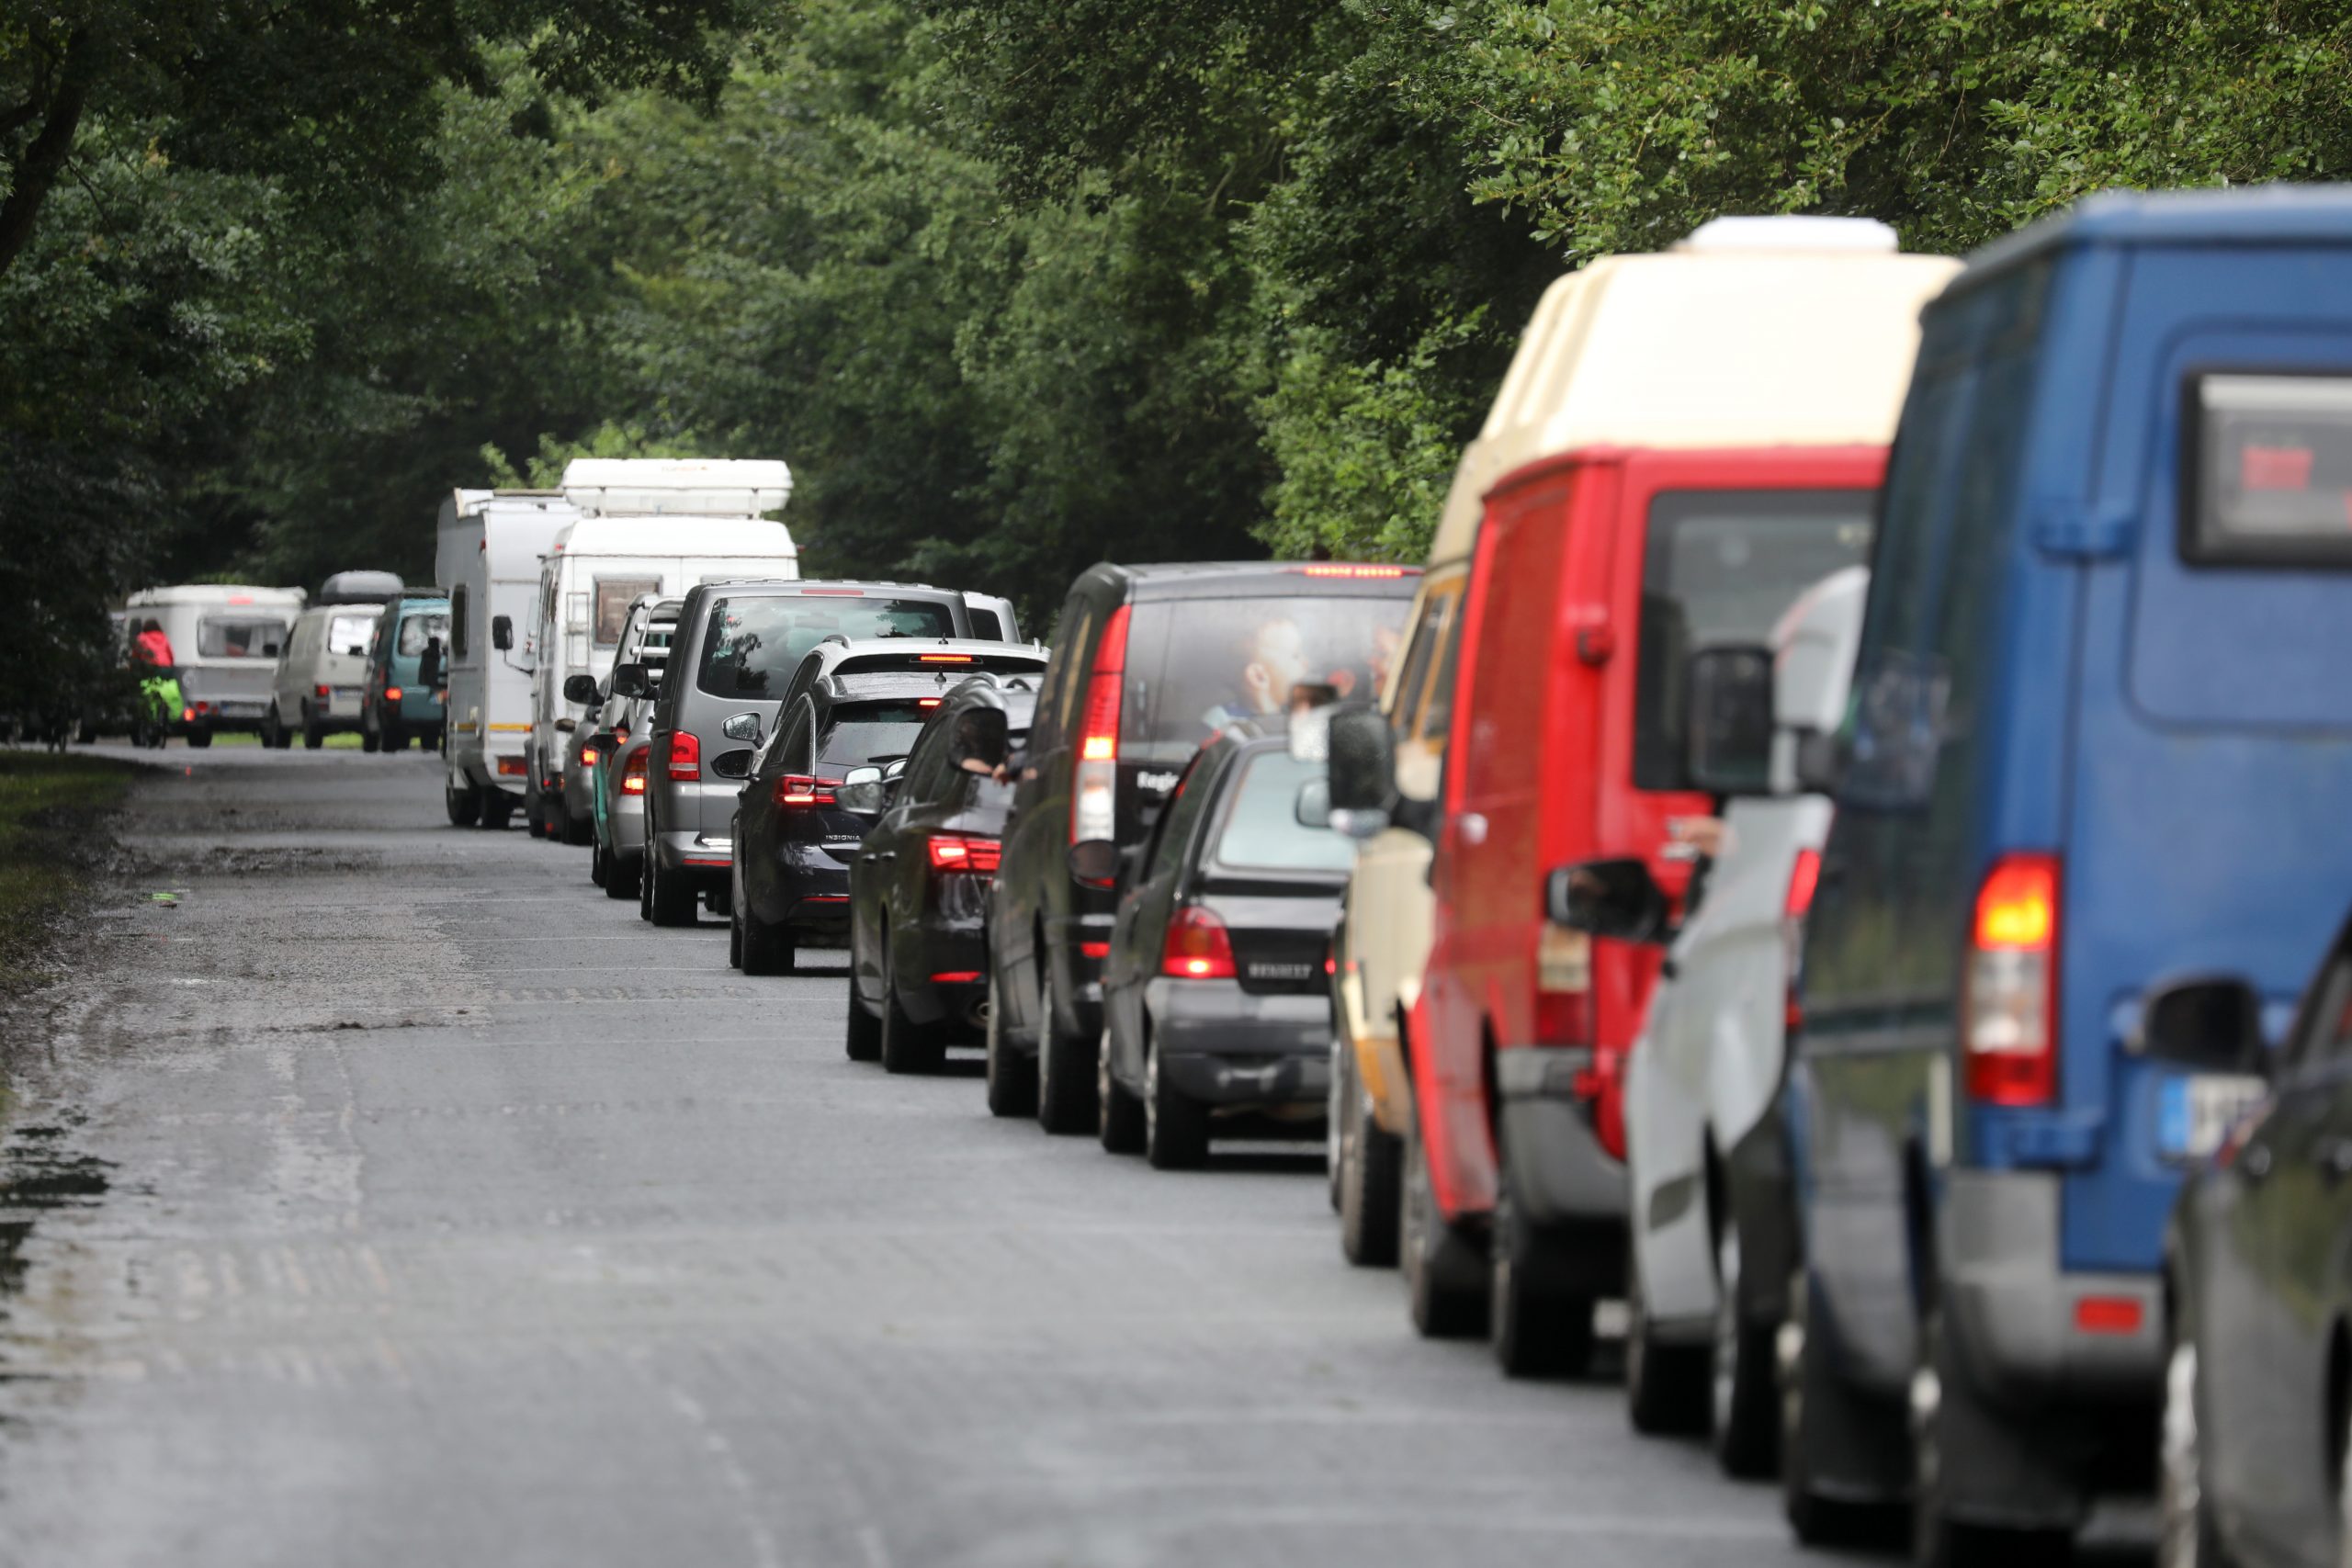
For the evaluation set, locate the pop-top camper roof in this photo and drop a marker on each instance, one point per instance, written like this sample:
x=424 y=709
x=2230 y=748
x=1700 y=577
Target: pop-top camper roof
x=683 y=487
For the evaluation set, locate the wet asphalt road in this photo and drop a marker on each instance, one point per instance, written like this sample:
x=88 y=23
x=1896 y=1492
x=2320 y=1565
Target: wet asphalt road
x=378 y=1192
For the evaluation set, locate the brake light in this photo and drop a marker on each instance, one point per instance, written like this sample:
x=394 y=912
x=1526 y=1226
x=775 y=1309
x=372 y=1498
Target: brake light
x=955 y=851
x=2109 y=1315
x=1321 y=569
x=1804 y=877
x=1094 y=948
x=587 y=756
x=1094 y=809
x=682 y=755
x=797 y=792
x=187 y=714
x=392 y=694
x=1198 y=947
x=633 y=773
x=943 y=659
x=927 y=702
x=2009 y=1012
x=837 y=593
x=956 y=977
x=510 y=768
x=1563 y=987
x=322 y=692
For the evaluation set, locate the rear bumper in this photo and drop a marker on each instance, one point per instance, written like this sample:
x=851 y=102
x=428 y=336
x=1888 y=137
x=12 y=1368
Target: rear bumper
x=1223 y=1046
x=625 y=825
x=1559 y=1171
x=805 y=888
x=704 y=862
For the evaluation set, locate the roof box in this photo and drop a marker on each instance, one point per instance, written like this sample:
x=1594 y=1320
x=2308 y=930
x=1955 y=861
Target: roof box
x=1790 y=232
x=683 y=487
x=360 y=587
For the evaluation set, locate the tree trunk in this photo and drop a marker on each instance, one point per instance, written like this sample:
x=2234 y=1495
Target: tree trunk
x=44 y=160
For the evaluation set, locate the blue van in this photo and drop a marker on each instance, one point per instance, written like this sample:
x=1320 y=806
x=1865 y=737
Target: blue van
x=2100 y=737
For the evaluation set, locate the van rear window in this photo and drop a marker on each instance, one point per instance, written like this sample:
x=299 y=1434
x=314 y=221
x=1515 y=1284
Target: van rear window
x=861 y=733
x=753 y=646
x=238 y=636
x=1197 y=665
x=2273 y=484
x=418 y=630
x=1719 y=568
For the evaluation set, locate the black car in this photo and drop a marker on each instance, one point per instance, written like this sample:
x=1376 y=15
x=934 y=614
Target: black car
x=1149 y=664
x=1214 y=997
x=2258 y=1423
x=919 y=885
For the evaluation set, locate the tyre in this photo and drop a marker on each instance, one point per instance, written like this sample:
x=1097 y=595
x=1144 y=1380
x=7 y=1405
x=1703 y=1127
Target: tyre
x=1332 y=1101
x=369 y=741
x=621 y=877
x=464 y=805
x=1742 y=1424
x=395 y=735
x=1538 y=1329
x=670 y=899
x=735 y=942
x=314 y=731
x=1817 y=1416
x=1012 y=1076
x=1175 y=1126
x=863 y=1036
x=578 y=830
x=1371 y=1171
x=767 y=950
x=907 y=1046
x=1938 y=1540
x=595 y=864
x=2189 y=1537
x=1118 y=1115
x=1064 y=1078
x=273 y=733
x=1666 y=1386
x=200 y=738
x=1446 y=1275
x=497 y=806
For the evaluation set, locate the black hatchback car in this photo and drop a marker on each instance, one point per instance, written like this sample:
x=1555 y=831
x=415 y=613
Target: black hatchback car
x=919 y=886
x=1214 y=995
x=1149 y=664
x=2257 y=1421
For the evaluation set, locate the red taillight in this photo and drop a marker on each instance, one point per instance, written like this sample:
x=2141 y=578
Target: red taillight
x=1563 y=987
x=2009 y=1009
x=1093 y=802
x=322 y=692
x=956 y=852
x=1094 y=948
x=1804 y=876
x=587 y=756
x=392 y=694
x=187 y=714
x=956 y=977
x=682 y=755
x=927 y=702
x=2109 y=1315
x=1198 y=947
x=797 y=792
x=633 y=774
x=510 y=768
x=943 y=659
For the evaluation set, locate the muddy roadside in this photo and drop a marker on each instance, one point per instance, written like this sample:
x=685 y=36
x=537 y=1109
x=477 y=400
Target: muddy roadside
x=59 y=817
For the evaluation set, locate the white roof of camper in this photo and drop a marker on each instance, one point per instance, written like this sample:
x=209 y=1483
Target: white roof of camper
x=219 y=593
x=694 y=487
x=666 y=537
x=1755 y=331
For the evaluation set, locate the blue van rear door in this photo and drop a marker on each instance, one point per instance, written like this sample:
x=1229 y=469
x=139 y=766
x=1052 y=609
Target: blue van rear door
x=2213 y=768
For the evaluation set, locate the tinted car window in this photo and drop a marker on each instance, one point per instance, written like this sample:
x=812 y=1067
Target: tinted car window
x=1183 y=809
x=1197 y=665
x=417 y=629
x=1720 y=567
x=1261 y=829
x=856 y=733
x=753 y=644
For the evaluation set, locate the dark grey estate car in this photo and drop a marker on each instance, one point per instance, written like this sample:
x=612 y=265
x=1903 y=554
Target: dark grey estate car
x=736 y=646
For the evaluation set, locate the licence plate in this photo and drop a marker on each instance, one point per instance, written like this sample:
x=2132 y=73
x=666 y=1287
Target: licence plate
x=2195 y=1113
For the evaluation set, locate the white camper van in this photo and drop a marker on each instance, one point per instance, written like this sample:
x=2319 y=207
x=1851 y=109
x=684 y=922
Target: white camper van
x=225 y=642
x=645 y=526
x=488 y=559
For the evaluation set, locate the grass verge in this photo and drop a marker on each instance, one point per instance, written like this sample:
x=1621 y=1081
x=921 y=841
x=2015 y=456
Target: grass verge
x=50 y=807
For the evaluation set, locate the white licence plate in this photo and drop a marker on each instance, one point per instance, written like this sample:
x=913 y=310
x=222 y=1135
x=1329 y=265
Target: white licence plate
x=2195 y=1113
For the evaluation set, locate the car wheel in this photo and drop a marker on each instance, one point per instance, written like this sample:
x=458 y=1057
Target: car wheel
x=1333 y=1100
x=395 y=737
x=368 y=739
x=735 y=937
x=1118 y=1115
x=1012 y=1076
x=907 y=1046
x=1445 y=1273
x=1666 y=1386
x=670 y=897
x=464 y=805
x=1537 y=1328
x=1371 y=1165
x=862 y=1036
x=2189 y=1536
x=1938 y=1538
x=596 y=864
x=1814 y=1412
x=1175 y=1127
x=1741 y=1421
x=767 y=950
x=1064 y=1079
x=497 y=807
x=314 y=733
x=578 y=830
x=270 y=728
x=621 y=877
x=200 y=738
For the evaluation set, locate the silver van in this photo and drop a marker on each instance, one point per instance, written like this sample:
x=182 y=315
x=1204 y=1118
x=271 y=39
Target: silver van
x=734 y=649
x=322 y=675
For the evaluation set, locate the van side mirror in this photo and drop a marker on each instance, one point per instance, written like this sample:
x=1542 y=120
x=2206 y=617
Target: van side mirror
x=744 y=726
x=1729 y=744
x=1362 y=772
x=631 y=680
x=1607 y=897
x=502 y=633
x=1094 y=862
x=1820 y=761
x=581 y=689
x=2205 y=1024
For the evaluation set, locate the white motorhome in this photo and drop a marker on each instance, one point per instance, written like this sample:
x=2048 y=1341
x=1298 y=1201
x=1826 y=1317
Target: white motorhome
x=487 y=559
x=645 y=526
x=225 y=641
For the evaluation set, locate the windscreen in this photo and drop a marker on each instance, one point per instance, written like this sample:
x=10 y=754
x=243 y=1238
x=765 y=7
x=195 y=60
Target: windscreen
x=1197 y=665
x=860 y=733
x=755 y=645
x=417 y=629
x=1263 y=832
x=239 y=636
x=1720 y=568
x=350 y=634
x=2274 y=469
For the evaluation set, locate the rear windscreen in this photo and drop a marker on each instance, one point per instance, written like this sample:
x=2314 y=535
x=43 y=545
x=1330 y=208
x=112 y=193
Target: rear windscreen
x=1719 y=568
x=753 y=644
x=1263 y=832
x=417 y=630
x=239 y=636
x=2274 y=470
x=860 y=733
x=1197 y=665
x=350 y=634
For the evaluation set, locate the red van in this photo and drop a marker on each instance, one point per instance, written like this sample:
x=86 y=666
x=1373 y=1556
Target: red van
x=1621 y=534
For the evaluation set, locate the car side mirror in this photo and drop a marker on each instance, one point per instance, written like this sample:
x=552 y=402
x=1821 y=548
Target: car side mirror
x=581 y=689
x=1094 y=862
x=1607 y=897
x=865 y=793
x=2205 y=1023
x=1362 y=772
x=1728 y=739
x=744 y=726
x=632 y=681
x=1820 y=761
x=1314 y=806
x=502 y=633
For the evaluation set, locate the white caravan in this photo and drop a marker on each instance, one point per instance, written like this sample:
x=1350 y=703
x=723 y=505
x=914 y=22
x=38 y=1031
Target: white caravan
x=1702 y=1133
x=226 y=640
x=487 y=560
x=645 y=526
